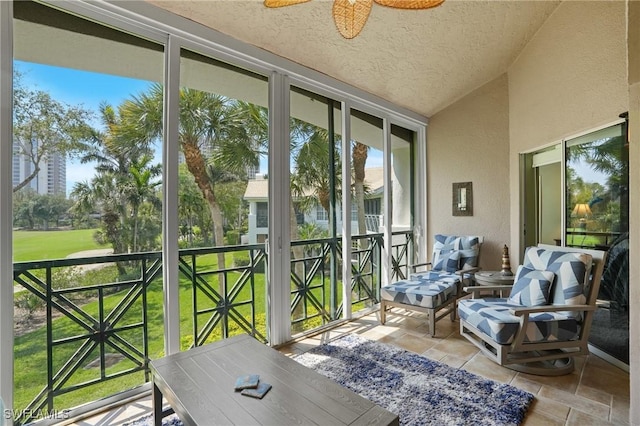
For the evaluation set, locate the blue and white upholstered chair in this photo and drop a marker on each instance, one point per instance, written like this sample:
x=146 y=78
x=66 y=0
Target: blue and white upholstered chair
x=546 y=320
x=454 y=260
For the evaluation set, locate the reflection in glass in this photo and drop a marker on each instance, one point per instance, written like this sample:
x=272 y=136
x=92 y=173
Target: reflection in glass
x=597 y=188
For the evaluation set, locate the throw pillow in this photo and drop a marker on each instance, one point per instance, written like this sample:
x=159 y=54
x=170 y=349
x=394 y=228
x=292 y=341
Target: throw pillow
x=448 y=261
x=531 y=287
x=470 y=249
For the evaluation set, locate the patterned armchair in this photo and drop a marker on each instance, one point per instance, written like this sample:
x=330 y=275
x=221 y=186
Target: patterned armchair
x=454 y=260
x=546 y=320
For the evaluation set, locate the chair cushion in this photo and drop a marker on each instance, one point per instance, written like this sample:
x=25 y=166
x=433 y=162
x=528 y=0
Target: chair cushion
x=492 y=317
x=468 y=248
x=447 y=261
x=469 y=252
x=572 y=271
x=438 y=276
x=531 y=287
x=424 y=293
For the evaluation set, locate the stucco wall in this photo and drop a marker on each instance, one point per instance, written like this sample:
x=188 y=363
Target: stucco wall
x=469 y=142
x=571 y=77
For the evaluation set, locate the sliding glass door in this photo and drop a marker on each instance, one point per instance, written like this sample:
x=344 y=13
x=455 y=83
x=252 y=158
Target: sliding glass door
x=589 y=176
x=597 y=216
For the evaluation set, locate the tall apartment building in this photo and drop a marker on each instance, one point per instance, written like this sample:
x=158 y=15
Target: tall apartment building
x=52 y=177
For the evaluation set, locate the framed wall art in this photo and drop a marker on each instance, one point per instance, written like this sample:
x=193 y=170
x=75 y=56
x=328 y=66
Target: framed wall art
x=463 y=199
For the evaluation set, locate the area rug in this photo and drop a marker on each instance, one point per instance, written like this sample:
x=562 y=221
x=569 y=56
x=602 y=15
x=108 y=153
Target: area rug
x=419 y=390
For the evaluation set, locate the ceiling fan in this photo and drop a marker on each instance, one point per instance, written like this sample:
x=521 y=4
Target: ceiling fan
x=351 y=15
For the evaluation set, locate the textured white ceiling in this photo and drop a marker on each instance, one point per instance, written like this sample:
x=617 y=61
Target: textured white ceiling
x=423 y=60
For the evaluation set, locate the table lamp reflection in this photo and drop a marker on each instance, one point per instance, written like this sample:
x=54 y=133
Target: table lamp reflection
x=582 y=211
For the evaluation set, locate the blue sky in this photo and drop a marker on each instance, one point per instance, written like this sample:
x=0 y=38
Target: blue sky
x=89 y=89
x=77 y=87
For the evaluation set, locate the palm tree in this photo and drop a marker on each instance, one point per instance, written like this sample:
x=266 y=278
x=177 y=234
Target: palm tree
x=208 y=123
x=191 y=207
x=142 y=188
x=359 y=155
x=124 y=180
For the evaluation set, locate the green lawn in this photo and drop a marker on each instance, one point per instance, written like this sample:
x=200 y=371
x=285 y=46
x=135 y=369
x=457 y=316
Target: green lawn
x=40 y=245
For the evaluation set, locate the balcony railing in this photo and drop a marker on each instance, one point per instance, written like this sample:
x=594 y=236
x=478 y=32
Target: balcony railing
x=97 y=339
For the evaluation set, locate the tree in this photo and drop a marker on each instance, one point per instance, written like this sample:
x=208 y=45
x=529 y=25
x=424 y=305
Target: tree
x=359 y=154
x=208 y=123
x=124 y=186
x=23 y=208
x=44 y=127
x=31 y=209
x=142 y=189
x=192 y=209
x=49 y=208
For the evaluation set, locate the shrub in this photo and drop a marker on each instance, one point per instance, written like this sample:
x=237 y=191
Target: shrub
x=28 y=302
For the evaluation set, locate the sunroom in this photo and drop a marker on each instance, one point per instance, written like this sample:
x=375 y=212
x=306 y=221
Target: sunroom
x=162 y=113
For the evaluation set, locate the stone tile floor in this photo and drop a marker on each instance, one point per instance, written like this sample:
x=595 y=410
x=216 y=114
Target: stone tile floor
x=596 y=393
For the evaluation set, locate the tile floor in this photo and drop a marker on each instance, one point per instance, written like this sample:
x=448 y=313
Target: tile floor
x=596 y=393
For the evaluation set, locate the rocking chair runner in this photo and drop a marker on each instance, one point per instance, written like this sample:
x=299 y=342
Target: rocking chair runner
x=454 y=261
x=546 y=320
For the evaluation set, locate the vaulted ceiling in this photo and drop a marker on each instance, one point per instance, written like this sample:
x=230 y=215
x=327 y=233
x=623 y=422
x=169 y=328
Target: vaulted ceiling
x=423 y=60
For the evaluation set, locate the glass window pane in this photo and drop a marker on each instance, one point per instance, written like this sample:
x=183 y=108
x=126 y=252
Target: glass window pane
x=223 y=199
x=315 y=170
x=402 y=171
x=87 y=182
x=367 y=157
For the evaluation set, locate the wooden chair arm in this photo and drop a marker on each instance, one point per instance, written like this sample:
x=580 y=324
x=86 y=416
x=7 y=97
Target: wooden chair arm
x=414 y=266
x=550 y=308
x=461 y=272
x=524 y=312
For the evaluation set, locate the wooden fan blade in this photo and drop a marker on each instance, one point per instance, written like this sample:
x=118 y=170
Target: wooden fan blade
x=410 y=4
x=281 y=3
x=351 y=15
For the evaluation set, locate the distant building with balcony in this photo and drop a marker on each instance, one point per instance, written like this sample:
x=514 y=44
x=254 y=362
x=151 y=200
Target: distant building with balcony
x=50 y=180
x=257 y=195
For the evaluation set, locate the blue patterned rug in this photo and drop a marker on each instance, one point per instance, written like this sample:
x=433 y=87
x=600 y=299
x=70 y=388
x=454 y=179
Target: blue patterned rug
x=419 y=390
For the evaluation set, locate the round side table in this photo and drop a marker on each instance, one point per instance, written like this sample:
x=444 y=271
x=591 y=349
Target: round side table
x=494 y=278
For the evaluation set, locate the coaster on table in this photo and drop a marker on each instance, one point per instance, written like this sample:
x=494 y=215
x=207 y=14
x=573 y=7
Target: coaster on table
x=248 y=381
x=258 y=392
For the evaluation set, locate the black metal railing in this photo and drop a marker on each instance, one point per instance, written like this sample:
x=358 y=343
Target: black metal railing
x=111 y=328
x=366 y=271
x=402 y=254
x=314 y=295
x=101 y=324
x=225 y=300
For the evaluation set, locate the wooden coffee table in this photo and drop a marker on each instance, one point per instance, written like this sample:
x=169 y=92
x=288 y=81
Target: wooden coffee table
x=198 y=384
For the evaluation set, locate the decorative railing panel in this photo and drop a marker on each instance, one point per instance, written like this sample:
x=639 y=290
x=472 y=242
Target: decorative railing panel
x=401 y=254
x=101 y=330
x=366 y=271
x=228 y=300
x=313 y=283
